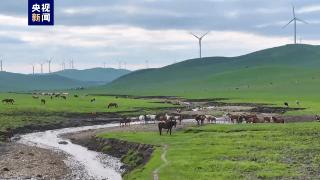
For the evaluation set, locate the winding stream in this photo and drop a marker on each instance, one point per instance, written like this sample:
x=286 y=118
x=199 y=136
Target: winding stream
x=83 y=162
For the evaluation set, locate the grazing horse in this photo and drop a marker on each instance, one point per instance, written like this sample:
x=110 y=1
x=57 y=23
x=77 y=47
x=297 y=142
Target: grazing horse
x=200 y=119
x=113 y=105
x=124 y=122
x=93 y=100
x=166 y=125
x=8 y=101
x=43 y=101
x=64 y=97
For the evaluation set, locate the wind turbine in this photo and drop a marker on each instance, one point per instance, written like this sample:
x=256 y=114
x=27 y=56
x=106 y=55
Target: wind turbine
x=200 y=41
x=295 y=20
x=49 y=64
x=41 y=65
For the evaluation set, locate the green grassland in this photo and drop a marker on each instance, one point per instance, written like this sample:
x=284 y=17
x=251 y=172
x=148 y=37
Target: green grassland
x=27 y=110
x=248 y=151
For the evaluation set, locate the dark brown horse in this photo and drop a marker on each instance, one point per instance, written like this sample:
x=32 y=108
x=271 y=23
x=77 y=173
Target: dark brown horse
x=113 y=105
x=64 y=97
x=8 y=101
x=124 y=122
x=200 y=119
x=166 y=125
x=43 y=101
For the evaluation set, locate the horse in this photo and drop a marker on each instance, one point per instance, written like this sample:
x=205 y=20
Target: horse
x=113 y=105
x=252 y=119
x=8 y=101
x=124 y=122
x=93 y=100
x=64 y=97
x=200 y=119
x=286 y=104
x=233 y=118
x=166 y=125
x=267 y=119
x=43 y=101
x=277 y=120
x=210 y=119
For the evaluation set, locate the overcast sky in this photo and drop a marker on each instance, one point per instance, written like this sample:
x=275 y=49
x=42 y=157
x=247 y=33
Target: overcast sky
x=136 y=31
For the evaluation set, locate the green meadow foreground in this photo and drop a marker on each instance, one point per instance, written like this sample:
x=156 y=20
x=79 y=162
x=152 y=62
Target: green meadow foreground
x=249 y=151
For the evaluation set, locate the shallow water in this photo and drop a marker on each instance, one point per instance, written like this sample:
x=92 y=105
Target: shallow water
x=83 y=162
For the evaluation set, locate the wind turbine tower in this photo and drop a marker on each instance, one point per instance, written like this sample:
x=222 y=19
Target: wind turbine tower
x=200 y=41
x=49 y=64
x=1 y=68
x=32 y=69
x=41 y=65
x=295 y=20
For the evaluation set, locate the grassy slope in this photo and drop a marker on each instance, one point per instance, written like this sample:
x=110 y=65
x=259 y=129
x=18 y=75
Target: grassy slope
x=275 y=75
x=30 y=111
x=233 y=152
x=102 y=75
x=21 y=82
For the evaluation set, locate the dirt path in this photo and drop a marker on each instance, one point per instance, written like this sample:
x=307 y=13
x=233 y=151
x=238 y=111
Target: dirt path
x=165 y=162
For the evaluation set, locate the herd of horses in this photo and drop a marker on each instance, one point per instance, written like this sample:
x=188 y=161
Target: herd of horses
x=53 y=95
x=167 y=122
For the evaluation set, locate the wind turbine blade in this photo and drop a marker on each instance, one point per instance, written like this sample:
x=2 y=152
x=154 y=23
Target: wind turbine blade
x=293 y=10
x=302 y=21
x=195 y=36
x=205 y=34
x=288 y=23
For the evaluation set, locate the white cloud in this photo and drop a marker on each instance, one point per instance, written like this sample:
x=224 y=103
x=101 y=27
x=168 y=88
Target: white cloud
x=309 y=9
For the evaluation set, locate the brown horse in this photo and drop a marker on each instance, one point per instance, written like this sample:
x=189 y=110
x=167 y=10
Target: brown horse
x=8 y=101
x=200 y=119
x=252 y=119
x=277 y=120
x=233 y=118
x=166 y=125
x=112 y=105
x=267 y=119
x=211 y=119
x=124 y=122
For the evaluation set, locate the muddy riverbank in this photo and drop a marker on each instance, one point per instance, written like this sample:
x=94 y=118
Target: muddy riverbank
x=18 y=161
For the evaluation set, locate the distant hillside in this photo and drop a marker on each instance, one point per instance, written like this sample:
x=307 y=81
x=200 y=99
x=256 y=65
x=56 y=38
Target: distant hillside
x=22 y=82
x=97 y=75
x=282 y=69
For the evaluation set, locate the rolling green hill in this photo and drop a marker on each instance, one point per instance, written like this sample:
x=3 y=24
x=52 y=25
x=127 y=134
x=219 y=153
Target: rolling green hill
x=96 y=75
x=21 y=82
x=291 y=70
